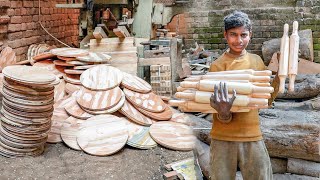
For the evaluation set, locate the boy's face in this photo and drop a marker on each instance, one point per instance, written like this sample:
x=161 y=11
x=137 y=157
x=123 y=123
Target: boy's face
x=238 y=39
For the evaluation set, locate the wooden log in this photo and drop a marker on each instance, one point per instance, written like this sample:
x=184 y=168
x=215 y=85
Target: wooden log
x=293 y=56
x=244 y=71
x=279 y=165
x=284 y=58
x=303 y=167
x=241 y=88
x=226 y=77
x=241 y=100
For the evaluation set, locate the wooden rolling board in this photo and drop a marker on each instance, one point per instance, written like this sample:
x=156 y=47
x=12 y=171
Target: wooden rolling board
x=95 y=57
x=69 y=130
x=7 y=57
x=133 y=114
x=162 y=116
x=173 y=135
x=50 y=66
x=101 y=77
x=103 y=136
x=150 y=101
x=73 y=79
x=66 y=58
x=69 y=52
x=73 y=71
x=135 y=83
x=111 y=110
x=59 y=90
x=139 y=136
x=71 y=88
x=43 y=56
x=62 y=63
x=74 y=110
x=98 y=100
x=29 y=74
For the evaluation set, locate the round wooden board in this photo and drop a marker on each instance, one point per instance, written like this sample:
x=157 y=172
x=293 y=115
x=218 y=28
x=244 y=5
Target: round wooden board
x=74 y=110
x=95 y=57
x=29 y=74
x=43 y=99
x=133 y=114
x=181 y=118
x=173 y=135
x=50 y=66
x=101 y=77
x=43 y=56
x=139 y=136
x=69 y=52
x=162 y=116
x=73 y=79
x=98 y=100
x=66 y=58
x=71 y=88
x=78 y=63
x=135 y=83
x=103 y=138
x=69 y=130
x=73 y=71
x=84 y=67
x=150 y=101
x=15 y=86
x=62 y=63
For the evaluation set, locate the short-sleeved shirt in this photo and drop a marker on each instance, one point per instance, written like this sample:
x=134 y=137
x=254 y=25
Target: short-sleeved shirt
x=245 y=126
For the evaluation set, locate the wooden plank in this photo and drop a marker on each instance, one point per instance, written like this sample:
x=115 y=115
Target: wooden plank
x=153 y=61
x=71 y=6
x=99 y=33
x=118 y=32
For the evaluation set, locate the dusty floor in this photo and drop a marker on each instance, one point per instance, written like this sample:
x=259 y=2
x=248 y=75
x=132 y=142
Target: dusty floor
x=60 y=162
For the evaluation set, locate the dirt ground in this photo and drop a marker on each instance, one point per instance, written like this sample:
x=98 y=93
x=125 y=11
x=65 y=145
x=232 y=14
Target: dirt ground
x=60 y=162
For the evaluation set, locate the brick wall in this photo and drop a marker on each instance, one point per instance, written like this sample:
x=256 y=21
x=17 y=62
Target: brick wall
x=204 y=21
x=19 y=27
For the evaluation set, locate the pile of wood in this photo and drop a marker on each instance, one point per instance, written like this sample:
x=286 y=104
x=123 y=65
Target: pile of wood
x=26 y=111
x=252 y=88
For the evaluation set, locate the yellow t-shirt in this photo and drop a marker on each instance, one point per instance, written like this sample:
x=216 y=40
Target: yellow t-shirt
x=244 y=126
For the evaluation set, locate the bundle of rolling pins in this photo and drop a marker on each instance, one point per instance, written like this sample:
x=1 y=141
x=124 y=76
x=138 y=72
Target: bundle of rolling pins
x=252 y=87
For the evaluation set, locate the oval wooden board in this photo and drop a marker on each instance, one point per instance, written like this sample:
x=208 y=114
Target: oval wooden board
x=69 y=52
x=43 y=56
x=71 y=78
x=29 y=74
x=111 y=110
x=50 y=66
x=73 y=71
x=84 y=67
x=135 y=83
x=133 y=114
x=107 y=137
x=181 y=118
x=62 y=63
x=162 y=116
x=98 y=100
x=78 y=63
x=95 y=57
x=73 y=109
x=150 y=101
x=66 y=58
x=101 y=77
x=173 y=135
x=71 y=88
x=139 y=136
x=69 y=130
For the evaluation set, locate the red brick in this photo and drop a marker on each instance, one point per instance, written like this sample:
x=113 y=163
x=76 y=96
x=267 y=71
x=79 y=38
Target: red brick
x=16 y=20
x=10 y=12
x=4 y=19
x=15 y=35
x=24 y=11
x=21 y=50
x=27 y=19
x=34 y=11
x=35 y=18
x=23 y=26
x=36 y=3
x=16 y=4
x=14 y=27
x=30 y=25
x=4 y=4
x=17 y=12
x=16 y=43
x=27 y=3
x=3 y=29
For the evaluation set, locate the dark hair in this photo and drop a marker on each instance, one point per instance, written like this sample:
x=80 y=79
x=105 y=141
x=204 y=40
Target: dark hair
x=237 y=19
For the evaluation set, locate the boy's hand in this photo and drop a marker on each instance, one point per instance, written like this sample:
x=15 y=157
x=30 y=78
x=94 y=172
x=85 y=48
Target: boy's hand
x=222 y=103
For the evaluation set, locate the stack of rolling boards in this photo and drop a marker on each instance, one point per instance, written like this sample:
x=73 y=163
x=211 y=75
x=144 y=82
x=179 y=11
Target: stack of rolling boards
x=69 y=63
x=112 y=108
x=27 y=107
x=252 y=88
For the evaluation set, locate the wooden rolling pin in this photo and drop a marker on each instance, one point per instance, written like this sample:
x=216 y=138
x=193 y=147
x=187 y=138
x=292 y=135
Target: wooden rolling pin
x=284 y=58
x=241 y=88
x=293 y=56
x=244 y=71
x=190 y=106
x=232 y=77
x=241 y=100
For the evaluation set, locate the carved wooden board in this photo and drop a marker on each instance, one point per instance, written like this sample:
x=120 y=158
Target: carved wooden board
x=173 y=135
x=135 y=83
x=69 y=131
x=29 y=74
x=132 y=113
x=69 y=52
x=162 y=116
x=48 y=64
x=139 y=136
x=95 y=57
x=67 y=58
x=72 y=78
x=71 y=88
x=105 y=137
x=101 y=77
x=62 y=63
x=73 y=109
x=150 y=101
x=73 y=71
x=98 y=100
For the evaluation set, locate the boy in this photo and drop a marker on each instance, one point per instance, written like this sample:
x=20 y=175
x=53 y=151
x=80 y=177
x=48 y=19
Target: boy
x=236 y=137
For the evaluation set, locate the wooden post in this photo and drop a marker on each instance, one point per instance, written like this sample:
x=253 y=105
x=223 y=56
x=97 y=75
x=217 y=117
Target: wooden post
x=175 y=62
